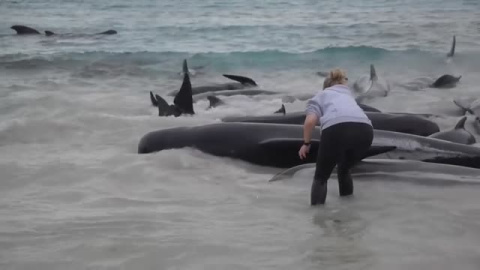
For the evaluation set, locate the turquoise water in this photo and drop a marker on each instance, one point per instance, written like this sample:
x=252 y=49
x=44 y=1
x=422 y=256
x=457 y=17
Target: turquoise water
x=243 y=29
x=74 y=194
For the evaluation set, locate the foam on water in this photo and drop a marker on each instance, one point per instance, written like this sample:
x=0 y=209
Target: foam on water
x=75 y=194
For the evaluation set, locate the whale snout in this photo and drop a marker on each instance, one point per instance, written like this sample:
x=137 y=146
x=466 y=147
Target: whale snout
x=153 y=142
x=159 y=140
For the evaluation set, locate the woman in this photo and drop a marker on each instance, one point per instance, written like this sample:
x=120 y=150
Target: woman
x=346 y=135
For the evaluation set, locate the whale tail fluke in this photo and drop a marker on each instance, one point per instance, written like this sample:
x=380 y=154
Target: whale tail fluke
x=164 y=109
x=153 y=100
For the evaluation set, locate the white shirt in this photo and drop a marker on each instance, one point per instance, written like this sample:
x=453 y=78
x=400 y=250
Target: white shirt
x=334 y=105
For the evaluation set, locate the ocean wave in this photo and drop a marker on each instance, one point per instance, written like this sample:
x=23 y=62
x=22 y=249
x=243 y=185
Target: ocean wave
x=89 y=62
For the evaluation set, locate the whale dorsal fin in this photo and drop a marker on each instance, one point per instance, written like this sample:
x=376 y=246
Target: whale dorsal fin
x=184 y=99
x=452 y=49
x=241 y=79
x=49 y=33
x=281 y=110
x=153 y=99
x=373 y=73
x=461 y=123
x=185 y=66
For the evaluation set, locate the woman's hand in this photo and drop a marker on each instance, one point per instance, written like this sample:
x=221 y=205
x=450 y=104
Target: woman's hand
x=310 y=121
x=304 y=151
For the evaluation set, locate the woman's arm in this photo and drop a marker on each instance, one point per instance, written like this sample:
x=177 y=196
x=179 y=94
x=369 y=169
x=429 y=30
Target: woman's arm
x=314 y=112
x=310 y=122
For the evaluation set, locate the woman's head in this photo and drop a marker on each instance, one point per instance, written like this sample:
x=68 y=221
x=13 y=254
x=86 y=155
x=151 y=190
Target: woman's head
x=336 y=76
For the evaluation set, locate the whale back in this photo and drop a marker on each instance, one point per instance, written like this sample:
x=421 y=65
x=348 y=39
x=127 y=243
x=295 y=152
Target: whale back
x=457 y=135
x=24 y=30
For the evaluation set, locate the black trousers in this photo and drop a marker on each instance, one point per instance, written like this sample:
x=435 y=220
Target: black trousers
x=341 y=145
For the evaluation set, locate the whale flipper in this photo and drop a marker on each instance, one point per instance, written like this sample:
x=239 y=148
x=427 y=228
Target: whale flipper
x=153 y=99
x=282 y=110
x=214 y=101
x=291 y=171
x=374 y=150
x=24 y=30
x=286 y=145
x=241 y=79
x=184 y=99
x=452 y=49
x=461 y=123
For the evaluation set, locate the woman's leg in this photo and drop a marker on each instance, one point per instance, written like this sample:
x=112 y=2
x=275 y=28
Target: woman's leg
x=359 y=141
x=326 y=162
x=345 y=182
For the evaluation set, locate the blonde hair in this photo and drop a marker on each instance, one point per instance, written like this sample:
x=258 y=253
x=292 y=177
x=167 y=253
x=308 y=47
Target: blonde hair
x=336 y=76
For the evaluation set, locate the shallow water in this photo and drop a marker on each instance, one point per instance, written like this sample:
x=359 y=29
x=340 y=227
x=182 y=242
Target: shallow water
x=74 y=194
